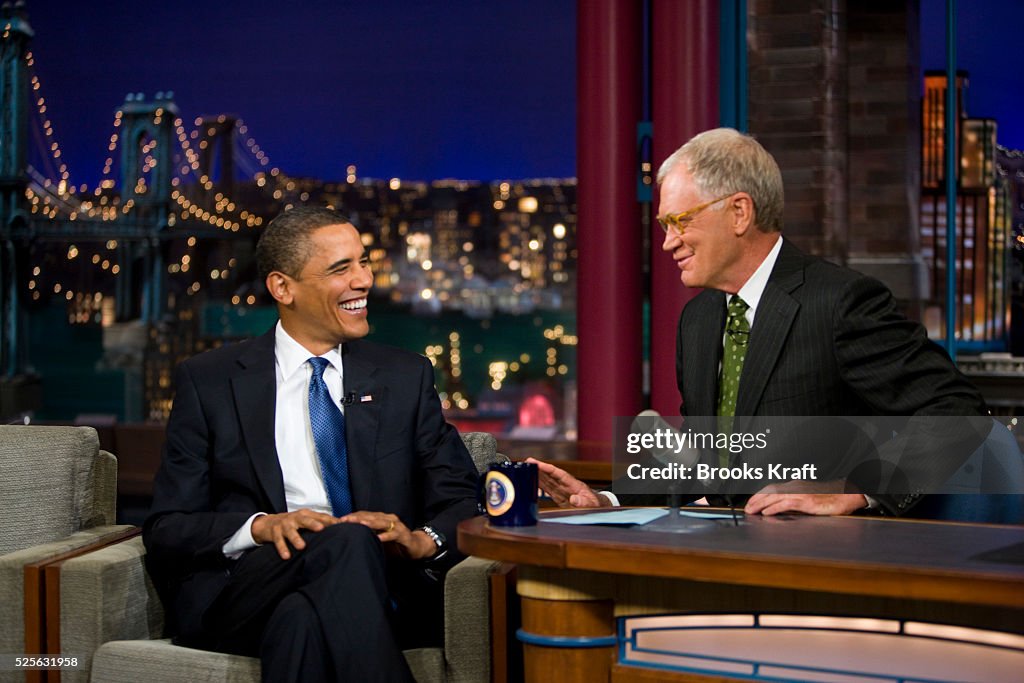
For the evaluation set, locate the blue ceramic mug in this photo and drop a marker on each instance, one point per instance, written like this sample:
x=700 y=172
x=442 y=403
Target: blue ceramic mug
x=510 y=494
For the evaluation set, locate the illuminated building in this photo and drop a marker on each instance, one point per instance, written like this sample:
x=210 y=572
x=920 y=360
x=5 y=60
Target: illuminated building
x=983 y=216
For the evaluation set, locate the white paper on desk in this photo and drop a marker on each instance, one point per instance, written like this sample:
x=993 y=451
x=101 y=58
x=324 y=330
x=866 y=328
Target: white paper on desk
x=630 y=516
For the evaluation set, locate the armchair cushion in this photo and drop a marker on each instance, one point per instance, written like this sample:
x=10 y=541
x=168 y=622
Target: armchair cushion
x=158 y=661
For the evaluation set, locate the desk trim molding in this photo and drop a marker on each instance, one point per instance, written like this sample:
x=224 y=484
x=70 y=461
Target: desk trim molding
x=566 y=641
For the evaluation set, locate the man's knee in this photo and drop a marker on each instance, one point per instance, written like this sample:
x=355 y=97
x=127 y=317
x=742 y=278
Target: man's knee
x=343 y=540
x=351 y=534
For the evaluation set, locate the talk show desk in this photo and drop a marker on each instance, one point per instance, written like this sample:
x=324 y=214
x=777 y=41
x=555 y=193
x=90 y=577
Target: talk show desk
x=573 y=581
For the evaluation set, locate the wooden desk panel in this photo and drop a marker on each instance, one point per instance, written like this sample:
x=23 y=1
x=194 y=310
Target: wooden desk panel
x=861 y=556
x=927 y=571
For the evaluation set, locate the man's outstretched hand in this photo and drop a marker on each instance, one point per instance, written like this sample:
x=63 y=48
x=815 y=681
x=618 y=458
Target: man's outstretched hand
x=566 y=490
x=797 y=496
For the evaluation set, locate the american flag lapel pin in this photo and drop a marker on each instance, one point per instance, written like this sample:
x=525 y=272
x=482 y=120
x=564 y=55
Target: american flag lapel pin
x=365 y=398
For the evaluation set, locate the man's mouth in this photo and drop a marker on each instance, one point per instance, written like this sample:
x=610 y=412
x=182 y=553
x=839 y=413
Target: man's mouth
x=354 y=305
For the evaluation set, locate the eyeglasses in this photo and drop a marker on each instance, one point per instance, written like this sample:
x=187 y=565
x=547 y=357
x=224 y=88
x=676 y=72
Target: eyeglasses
x=679 y=221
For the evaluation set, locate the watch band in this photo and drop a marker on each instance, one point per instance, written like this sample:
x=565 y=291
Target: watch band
x=439 y=541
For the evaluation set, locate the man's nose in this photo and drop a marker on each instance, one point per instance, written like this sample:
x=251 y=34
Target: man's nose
x=365 y=278
x=671 y=240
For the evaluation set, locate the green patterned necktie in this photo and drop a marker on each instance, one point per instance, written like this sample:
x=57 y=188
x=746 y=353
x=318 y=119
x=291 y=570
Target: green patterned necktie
x=737 y=336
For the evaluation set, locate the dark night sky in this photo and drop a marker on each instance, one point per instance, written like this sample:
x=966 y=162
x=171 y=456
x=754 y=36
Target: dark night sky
x=407 y=88
x=988 y=47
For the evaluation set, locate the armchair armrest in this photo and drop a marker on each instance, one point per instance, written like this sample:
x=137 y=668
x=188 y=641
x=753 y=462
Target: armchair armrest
x=12 y=580
x=105 y=489
x=107 y=595
x=467 y=628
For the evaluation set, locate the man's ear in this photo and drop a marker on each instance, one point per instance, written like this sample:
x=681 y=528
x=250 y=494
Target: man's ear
x=280 y=287
x=741 y=210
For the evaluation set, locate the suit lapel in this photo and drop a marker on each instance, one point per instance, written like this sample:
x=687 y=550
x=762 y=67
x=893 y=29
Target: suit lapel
x=702 y=355
x=362 y=419
x=772 y=322
x=255 y=393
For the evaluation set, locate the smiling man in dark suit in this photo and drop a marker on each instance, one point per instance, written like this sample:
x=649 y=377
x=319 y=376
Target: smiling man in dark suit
x=309 y=479
x=777 y=332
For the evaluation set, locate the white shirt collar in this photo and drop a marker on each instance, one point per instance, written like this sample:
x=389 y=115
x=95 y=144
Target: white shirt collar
x=291 y=355
x=753 y=288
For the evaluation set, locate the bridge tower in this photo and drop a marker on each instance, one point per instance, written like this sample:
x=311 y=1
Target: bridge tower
x=147 y=166
x=218 y=132
x=15 y=35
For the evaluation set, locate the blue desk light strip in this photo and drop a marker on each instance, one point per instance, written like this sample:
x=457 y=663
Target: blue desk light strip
x=566 y=641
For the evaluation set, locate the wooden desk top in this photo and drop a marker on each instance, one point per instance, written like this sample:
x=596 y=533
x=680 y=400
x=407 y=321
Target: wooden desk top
x=911 y=559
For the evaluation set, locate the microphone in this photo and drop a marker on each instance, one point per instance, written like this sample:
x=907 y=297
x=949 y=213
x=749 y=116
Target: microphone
x=668 y=445
x=349 y=399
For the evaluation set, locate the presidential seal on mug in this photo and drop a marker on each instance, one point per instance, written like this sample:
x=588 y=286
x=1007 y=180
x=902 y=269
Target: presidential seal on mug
x=500 y=493
x=510 y=494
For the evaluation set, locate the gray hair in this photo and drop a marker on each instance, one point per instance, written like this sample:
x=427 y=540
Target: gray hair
x=724 y=160
x=285 y=244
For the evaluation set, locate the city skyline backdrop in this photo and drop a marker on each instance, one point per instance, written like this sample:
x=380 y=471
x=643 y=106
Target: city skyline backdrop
x=477 y=91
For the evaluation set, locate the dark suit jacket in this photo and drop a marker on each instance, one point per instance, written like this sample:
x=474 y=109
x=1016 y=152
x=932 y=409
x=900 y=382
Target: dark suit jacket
x=826 y=340
x=220 y=464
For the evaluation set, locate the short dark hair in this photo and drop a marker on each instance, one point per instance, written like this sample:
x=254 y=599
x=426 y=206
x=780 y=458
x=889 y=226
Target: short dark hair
x=285 y=246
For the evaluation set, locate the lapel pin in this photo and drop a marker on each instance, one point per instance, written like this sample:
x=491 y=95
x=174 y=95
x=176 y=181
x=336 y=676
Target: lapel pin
x=365 y=398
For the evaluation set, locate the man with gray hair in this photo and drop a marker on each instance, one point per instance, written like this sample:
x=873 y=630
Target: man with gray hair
x=777 y=332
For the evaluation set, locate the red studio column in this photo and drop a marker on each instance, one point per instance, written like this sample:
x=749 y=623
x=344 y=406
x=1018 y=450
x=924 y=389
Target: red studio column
x=684 y=102
x=609 y=240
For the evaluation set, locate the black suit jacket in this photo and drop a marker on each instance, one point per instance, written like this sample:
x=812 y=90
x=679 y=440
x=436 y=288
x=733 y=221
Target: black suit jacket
x=220 y=464
x=826 y=340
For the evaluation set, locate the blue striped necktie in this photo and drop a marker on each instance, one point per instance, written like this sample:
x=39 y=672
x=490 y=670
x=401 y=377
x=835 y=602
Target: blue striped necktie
x=328 y=425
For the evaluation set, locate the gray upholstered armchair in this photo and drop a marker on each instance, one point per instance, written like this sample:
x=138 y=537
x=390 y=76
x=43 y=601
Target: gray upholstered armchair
x=56 y=496
x=108 y=602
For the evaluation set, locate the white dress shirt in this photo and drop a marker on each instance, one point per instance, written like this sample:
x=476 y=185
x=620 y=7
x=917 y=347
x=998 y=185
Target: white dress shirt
x=296 y=451
x=753 y=288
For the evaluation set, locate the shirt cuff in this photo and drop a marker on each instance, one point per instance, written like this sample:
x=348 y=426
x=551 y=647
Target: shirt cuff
x=242 y=540
x=612 y=498
x=872 y=503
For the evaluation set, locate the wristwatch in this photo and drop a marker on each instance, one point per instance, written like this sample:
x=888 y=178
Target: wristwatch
x=439 y=540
